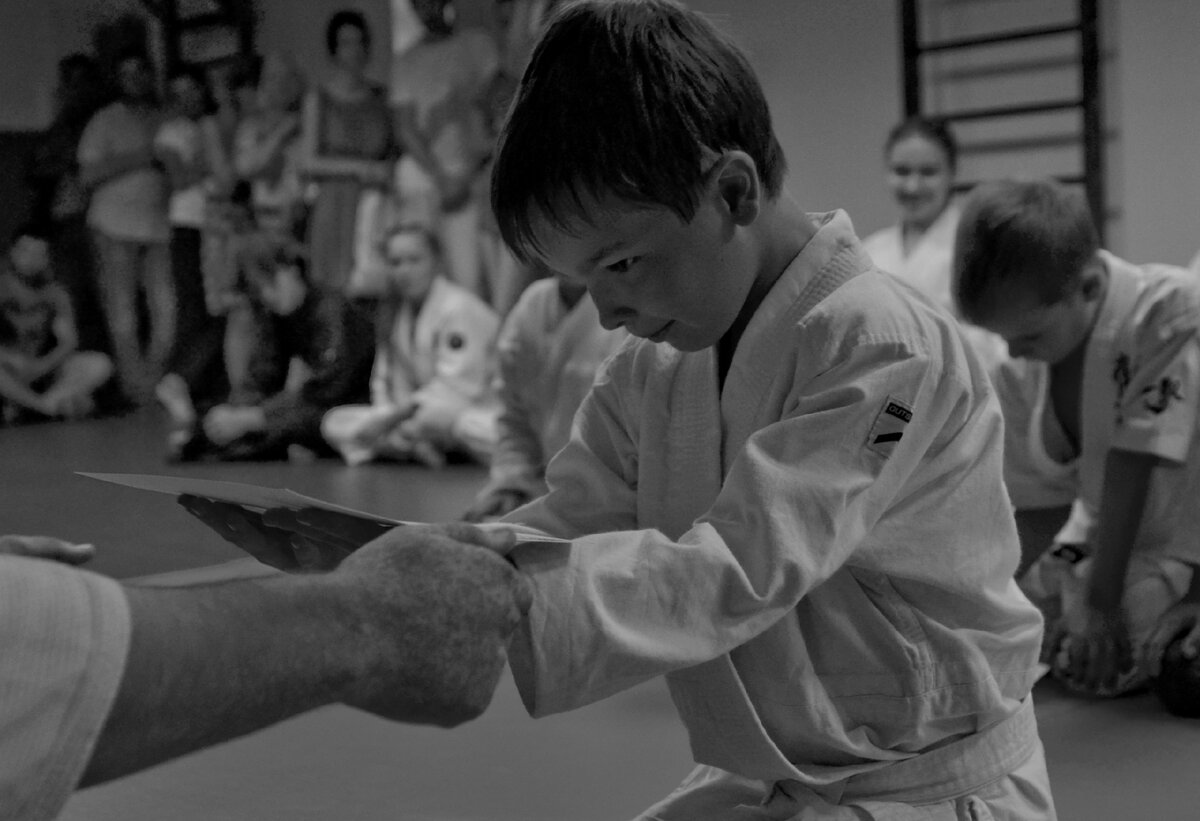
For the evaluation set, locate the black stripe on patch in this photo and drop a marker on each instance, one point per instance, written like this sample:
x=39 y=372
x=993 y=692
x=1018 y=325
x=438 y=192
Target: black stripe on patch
x=887 y=437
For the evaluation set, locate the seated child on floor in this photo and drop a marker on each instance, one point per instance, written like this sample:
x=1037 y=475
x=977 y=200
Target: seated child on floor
x=1106 y=364
x=293 y=319
x=549 y=350
x=431 y=384
x=43 y=374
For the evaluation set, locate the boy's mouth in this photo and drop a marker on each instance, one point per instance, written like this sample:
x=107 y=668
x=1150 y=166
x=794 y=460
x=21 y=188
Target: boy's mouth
x=661 y=333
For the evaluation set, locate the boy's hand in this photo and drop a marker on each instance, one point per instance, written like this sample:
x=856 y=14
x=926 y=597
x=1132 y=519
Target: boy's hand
x=46 y=547
x=1184 y=617
x=1100 y=653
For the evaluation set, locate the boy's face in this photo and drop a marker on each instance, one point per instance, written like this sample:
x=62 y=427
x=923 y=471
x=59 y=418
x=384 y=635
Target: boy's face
x=660 y=278
x=30 y=256
x=1046 y=332
x=411 y=265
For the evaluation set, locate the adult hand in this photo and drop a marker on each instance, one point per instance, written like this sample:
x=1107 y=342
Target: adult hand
x=1183 y=618
x=436 y=606
x=46 y=547
x=495 y=504
x=1100 y=653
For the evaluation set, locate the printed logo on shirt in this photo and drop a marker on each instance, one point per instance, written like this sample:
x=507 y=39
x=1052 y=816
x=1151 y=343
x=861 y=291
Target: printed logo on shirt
x=888 y=428
x=1158 y=397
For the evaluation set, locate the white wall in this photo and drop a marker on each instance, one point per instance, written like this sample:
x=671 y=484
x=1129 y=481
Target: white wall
x=830 y=71
x=1158 y=109
x=34 y=34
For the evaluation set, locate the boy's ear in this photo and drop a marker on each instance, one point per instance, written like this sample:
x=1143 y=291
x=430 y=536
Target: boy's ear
x=739 y=186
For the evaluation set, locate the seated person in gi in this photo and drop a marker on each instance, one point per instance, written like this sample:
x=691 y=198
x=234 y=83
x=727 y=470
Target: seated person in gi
x=294 y=319
x=431 y=385
x=550 y=347
x=1106 y=366
x=43 y=374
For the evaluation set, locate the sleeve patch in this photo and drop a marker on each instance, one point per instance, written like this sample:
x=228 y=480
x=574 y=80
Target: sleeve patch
x=889 y=426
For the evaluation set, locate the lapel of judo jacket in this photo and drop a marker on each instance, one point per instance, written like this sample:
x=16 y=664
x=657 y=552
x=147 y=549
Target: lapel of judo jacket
x=705 y=432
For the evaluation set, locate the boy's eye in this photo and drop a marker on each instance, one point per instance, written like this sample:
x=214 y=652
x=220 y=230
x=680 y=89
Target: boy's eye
x=622 y=266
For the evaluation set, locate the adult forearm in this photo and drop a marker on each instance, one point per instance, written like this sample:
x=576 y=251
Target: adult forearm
x=213 y=663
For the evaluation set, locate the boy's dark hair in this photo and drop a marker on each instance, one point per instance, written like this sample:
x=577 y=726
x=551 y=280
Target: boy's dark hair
x=341 y=19
x=1037 y=235
x=934 y=129
x=624 y=97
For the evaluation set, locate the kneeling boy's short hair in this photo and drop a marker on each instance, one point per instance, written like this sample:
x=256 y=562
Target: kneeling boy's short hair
x=624 y=97
x=1036 y=235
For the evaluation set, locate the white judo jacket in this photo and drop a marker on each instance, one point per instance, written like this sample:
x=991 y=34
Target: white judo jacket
x=819 y=557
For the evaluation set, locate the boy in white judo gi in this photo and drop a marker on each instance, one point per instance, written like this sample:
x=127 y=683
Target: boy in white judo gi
x=431 y=382
x=1106 y=375
x=786 y=496
x=550 y=346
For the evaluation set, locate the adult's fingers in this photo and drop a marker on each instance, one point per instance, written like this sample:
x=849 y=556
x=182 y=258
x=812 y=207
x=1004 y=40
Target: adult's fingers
x=47 y=547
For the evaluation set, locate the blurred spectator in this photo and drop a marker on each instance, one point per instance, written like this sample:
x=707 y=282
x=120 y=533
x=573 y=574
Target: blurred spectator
x=59 y=199
x=234 y=89
x=431 y=390
x=296 y=318
x=267 y=149
x=441 y=88
x=921 y=155
x=550 y=348
x=128 y=218
x=347 y=147
x=43 y=374
x=189 y=148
